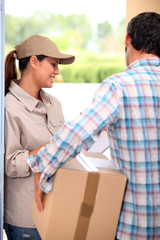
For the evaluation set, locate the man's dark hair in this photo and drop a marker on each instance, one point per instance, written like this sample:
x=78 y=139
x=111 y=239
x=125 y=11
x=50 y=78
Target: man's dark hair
x=144 y=31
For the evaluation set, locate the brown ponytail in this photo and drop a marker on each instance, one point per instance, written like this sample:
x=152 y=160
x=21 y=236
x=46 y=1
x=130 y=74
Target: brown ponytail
x=10 y=69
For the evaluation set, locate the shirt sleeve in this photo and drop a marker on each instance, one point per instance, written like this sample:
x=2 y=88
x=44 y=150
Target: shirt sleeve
x=15 y=155
x=76 y=135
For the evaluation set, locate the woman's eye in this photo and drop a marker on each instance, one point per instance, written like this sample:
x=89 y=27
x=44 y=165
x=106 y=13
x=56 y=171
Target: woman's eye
x=54 y=65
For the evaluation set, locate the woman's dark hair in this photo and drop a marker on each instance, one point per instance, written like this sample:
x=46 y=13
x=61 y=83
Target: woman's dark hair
x=11 y=70
x=144 y=31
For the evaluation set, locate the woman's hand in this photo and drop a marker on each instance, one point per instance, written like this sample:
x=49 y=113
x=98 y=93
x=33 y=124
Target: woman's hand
x=38 y=194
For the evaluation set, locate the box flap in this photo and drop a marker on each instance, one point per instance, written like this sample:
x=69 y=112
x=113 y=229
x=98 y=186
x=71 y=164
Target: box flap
x=91 y=162
x=98 y=160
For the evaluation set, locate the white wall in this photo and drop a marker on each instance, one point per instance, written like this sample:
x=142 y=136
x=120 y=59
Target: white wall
x=74 y=96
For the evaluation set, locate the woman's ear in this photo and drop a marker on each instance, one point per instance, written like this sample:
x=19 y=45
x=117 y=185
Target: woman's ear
x=33 y=61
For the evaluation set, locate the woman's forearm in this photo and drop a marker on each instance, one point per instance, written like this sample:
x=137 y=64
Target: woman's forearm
x=37 y=149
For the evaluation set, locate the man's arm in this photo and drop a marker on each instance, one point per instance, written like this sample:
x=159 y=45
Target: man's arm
x=76 y=135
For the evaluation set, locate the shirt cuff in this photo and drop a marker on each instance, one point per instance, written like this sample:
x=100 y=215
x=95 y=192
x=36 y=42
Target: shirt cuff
x=34 y=162
x=46 y=183
x=22 y=167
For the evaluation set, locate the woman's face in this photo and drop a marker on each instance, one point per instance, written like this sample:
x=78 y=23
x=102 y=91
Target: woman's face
x=46 y=71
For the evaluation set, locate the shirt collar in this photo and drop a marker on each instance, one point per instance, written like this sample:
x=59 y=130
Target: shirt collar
x=152 y=61
x=28 y=101
x=45 y=97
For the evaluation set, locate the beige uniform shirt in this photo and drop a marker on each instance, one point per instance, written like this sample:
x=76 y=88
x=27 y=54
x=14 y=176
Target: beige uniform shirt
x=29 y=124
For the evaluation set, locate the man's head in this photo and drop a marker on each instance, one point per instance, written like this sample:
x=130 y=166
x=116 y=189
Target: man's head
x=144 y=31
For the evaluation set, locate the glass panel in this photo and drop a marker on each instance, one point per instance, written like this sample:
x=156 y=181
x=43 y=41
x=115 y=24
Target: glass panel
x=1 y=112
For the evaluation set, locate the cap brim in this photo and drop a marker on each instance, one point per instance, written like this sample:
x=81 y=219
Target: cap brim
x=67 y=60
x=64 y=58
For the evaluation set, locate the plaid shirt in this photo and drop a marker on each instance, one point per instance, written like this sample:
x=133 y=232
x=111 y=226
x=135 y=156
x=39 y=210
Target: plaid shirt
x=128 y=105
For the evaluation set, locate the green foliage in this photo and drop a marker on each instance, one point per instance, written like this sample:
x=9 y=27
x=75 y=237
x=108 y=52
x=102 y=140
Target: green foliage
x=121 y=31
x=94 y=69
x=104 y=29
x=73 y=30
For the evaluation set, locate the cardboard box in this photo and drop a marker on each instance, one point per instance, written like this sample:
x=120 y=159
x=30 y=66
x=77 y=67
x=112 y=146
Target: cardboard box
x=84 y=204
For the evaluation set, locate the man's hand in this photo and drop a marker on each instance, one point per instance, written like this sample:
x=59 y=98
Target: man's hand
x=38 y=194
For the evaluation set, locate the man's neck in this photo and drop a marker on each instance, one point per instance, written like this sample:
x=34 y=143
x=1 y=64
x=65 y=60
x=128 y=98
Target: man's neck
x=137 y=55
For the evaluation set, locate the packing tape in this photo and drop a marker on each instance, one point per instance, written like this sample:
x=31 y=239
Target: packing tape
x=87 y=206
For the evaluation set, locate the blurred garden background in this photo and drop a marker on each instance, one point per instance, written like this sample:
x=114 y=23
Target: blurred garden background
x=99 y=50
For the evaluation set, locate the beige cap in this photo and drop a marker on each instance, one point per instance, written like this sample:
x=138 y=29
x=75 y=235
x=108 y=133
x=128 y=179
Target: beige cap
x=40 y=45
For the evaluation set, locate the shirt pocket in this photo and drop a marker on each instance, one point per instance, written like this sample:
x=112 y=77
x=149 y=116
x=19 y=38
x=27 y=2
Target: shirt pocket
x=55 y=123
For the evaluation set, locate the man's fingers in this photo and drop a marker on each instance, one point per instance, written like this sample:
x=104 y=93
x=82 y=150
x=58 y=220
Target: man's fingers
x=38 y=195
x=38 y=198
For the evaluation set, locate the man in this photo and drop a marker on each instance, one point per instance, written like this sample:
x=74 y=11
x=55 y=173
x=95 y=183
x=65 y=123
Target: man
x=128 y=105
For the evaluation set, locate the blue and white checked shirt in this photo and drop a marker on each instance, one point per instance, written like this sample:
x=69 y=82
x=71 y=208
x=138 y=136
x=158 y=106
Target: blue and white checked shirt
x=128 y=105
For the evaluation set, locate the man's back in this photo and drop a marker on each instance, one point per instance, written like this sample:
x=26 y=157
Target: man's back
x=135 y=145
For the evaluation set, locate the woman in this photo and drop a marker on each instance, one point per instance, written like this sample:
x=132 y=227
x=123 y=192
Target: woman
x=31 y=119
